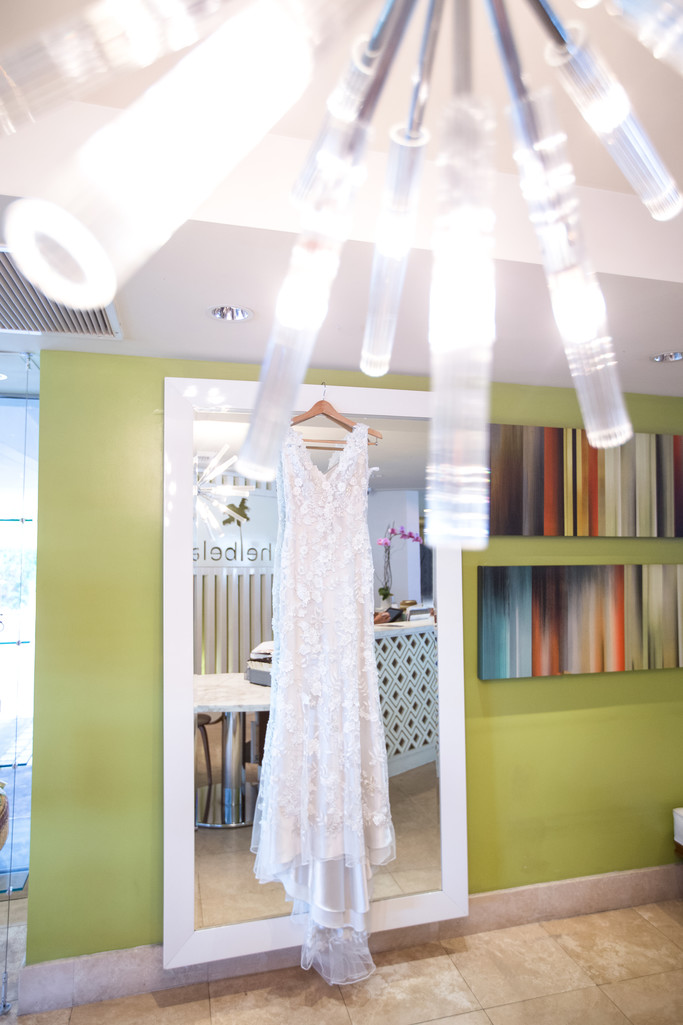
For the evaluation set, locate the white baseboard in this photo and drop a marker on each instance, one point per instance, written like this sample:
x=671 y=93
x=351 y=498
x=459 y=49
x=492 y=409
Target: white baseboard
x=117 y=973
x=411 y=759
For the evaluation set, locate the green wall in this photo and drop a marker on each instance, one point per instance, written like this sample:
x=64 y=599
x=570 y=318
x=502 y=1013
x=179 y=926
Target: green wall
x=566 y=777
x=574 y=775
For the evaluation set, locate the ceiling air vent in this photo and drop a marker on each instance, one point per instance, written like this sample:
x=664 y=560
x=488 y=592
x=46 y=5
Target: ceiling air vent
x=26 y=311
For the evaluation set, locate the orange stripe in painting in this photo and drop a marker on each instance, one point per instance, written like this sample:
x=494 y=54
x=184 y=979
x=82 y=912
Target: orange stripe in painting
x=546 y=621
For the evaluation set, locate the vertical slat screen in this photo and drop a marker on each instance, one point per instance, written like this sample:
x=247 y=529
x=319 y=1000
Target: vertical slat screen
x=232 y=614
x=221 y=634
x=198 y=605
x=232 y=625
x=209 y=623
x=244 y=615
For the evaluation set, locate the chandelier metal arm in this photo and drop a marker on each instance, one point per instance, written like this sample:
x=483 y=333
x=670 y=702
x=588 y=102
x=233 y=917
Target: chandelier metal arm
x=396 y=221
x=423 y=71
x=522 y=112
x=376 y=41
x=502 y=31
x=550 y=22
x=398 y=24
x=462 y=47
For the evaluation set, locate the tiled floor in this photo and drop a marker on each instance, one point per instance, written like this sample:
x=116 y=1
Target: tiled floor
x=12 y=944
x=613 y=968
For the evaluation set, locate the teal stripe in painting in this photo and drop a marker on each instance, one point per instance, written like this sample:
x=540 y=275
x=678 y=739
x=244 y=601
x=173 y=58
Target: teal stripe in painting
x=505 y=620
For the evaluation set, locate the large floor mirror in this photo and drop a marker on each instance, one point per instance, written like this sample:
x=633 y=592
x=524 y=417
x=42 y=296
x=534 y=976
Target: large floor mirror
x=219 y=540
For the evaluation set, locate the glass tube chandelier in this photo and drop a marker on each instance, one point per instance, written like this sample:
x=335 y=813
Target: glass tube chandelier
x=104 y=223
x=462 y=294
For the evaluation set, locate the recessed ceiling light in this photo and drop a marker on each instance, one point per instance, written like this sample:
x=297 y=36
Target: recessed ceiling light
x=667 y=357
x=232 y=313
x=3 y=377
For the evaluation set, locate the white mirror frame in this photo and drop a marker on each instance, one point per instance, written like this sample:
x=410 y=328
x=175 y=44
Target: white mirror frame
x=183 y=945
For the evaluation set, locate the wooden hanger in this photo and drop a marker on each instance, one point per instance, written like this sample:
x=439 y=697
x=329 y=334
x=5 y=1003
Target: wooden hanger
x=325 y=408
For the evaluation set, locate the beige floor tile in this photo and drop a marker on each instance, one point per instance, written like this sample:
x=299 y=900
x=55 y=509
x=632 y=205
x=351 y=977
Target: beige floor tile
x=673 y=908
x=469 y=1018
x=667 y=917
x=409 y=812
x=416 y=850
x=243 y=908
x=400 y=940
x=415 y=783
x=188 y=1005
x=231 y=893
x=60 y=1017
x=514 y=964
x=384 y=885
x=18 y=910
x=615 y=945
x=231 y=869
x=409 y=986
x=579 y=1007
x=415 y=814
x=287 y=997
x=211 y=842
x=419 y=951
x=654 y=1000
x=418 y=880
x=13 y=946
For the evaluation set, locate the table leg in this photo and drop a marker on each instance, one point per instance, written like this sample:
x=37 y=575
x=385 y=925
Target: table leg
x=233 y=728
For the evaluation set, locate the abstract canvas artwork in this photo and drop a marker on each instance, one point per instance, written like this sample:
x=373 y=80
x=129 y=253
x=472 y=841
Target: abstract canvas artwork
x=551 y=620
x=548 y=481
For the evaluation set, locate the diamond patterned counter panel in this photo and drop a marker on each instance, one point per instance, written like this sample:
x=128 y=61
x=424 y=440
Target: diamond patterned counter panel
x=406 y=666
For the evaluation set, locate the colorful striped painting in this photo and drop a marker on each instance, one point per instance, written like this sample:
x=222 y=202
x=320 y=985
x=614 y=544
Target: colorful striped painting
x=548 y=481
x=552 y=620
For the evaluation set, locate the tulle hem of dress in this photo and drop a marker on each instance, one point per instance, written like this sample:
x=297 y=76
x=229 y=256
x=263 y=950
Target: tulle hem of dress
x=340 y=956
x=335 y=898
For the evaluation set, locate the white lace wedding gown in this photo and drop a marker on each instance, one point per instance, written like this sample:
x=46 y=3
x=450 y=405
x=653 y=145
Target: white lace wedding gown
x=322 y=818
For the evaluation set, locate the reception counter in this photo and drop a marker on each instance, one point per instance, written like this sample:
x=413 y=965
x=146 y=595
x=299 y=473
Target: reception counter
x=408 y=690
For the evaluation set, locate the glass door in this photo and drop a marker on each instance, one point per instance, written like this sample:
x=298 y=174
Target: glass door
x=18 y=507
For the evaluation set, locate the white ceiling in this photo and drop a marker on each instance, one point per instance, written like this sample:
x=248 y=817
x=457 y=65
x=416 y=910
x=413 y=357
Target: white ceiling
x=236 y=249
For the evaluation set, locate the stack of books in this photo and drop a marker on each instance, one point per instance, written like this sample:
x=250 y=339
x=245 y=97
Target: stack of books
x=259 y=664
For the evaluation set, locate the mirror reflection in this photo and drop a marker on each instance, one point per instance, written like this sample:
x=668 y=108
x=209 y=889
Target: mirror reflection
x=234 y=553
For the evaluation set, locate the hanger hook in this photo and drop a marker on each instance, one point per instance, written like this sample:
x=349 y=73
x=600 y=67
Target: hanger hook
x=324 y=390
